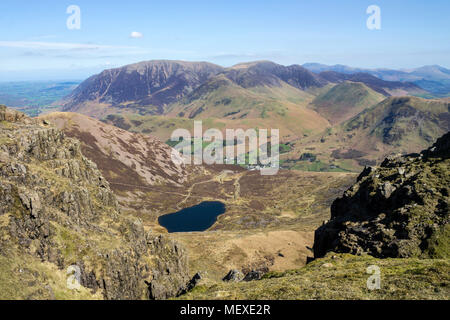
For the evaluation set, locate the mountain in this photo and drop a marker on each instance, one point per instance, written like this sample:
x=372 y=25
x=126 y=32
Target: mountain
x=387 y=88
x=244 y=96
x=431 y=72
x=405 y=123
x=259 y=73
x=157 y=96
x=344 y=101
x=149 y=87
x=152 y=87
x=279 y=106
x=433 y=78
x=152 y=84
x=399 y=210
x=58 y=216
x=251 y=92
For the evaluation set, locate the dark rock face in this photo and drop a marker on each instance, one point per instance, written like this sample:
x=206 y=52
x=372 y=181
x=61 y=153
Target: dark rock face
x=161 y=82
x=272 y=74
x=55 y=205
x=147 y=83
x=253 y=275
x=398 y=210
x=233 y=276
x=192 y=283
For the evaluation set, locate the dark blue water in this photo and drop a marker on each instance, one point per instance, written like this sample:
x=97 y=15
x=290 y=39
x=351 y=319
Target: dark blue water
x=196 y=218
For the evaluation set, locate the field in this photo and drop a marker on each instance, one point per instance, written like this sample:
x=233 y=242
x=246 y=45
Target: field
x=34 y=98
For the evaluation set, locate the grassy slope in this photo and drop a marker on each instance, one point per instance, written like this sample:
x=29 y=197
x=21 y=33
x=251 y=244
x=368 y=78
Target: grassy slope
x=222 y=104
x=403 y=122
x=345 y=100
x=340 y=276
x=23 y=276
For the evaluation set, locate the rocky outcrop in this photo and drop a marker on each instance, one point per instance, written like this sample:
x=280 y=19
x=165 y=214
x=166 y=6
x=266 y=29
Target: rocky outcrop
x=10 y=115
x=233 y=275
x=56 y=205
x=400 y=209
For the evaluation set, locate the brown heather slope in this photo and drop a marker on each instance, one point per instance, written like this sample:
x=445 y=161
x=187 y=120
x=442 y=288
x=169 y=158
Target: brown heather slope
x=123 y=157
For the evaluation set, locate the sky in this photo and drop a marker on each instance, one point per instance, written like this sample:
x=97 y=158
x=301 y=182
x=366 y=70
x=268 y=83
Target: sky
x=36 y=43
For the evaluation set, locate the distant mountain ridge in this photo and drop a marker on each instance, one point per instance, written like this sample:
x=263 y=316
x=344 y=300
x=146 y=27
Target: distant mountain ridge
x=432 y=78
x=386 y=88
x=149 y=87
x=432 y=72
x=154 y=83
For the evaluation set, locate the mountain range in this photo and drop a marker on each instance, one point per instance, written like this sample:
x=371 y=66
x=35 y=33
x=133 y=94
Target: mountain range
x=433 y=78
x=156 y=85
x=314 y=111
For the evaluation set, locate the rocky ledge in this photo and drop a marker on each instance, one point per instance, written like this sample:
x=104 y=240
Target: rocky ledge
x=400 y=209
x=56 y=207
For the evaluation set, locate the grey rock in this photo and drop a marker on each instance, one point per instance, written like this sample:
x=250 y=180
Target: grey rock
x=233 y=276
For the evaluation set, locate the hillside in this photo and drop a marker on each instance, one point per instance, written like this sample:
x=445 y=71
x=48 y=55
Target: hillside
x=344 y=101
x=403 y=122
x=286 y=207
x=395 y=125
x=120 y=155
x=153 y=84
x=158 y=96
x=339 y=277
x=57 y=210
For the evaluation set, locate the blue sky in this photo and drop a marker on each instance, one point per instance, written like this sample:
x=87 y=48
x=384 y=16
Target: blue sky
x=36 y=44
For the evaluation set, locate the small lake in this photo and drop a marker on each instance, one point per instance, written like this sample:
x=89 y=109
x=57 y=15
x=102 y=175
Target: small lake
x=196 y=218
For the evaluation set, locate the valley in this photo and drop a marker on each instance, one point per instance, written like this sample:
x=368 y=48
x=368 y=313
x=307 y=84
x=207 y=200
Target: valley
x=316 y=113
x=332 y=126
x=289 y=205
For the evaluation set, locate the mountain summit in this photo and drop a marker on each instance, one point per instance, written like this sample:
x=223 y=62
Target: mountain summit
x=150 y=83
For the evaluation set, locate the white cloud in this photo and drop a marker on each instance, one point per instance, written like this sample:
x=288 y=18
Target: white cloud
x=136 y=35
x=56 y=45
